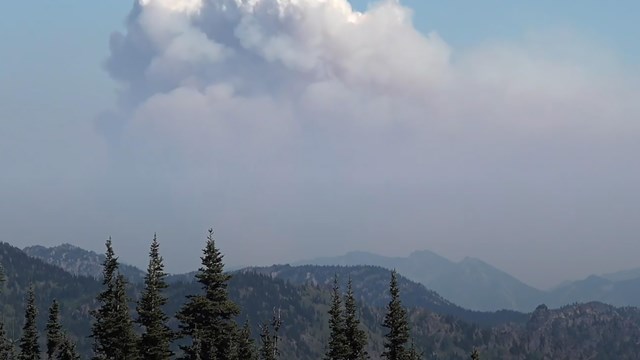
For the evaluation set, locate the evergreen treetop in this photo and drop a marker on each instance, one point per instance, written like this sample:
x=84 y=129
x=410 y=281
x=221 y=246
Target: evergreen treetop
x=29 y=347
x=67 y=350
x=54 y=330
x=209 y=318
x=475 y=355
x=112 y=330
x=338 y=347
x=356 y=337
x=245 y=344
x=6 y=347
x=267 y=348
x=156 y=337
x=395 y=320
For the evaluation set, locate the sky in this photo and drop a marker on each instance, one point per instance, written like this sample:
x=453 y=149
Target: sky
x=505 y=131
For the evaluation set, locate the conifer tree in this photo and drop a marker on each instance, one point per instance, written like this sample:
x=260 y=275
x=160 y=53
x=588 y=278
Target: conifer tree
x=413 y=353
x=67 y=350
x=397 y=337
x=54 y=330
x=267 y=348
x=112 y=330
x=156 y=338
x=6 y=347
x=29 y=348
x=475 y=355
x=212 y=313
x=269 y=343
x=338 y=347
x=356 y=337
x=245 y=346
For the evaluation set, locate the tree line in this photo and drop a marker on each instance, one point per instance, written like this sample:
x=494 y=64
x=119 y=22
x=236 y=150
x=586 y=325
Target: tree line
x=207 y=327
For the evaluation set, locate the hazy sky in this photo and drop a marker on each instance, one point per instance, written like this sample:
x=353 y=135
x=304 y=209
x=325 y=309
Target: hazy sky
x=507 y=131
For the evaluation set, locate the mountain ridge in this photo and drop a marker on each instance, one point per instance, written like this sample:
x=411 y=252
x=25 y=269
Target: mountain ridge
x=579 y=331
x=470 y=282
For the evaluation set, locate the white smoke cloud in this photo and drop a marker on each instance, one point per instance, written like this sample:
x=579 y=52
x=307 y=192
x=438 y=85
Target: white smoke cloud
x=287 y=100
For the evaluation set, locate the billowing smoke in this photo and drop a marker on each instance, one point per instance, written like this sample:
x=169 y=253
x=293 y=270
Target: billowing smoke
x=304 y=121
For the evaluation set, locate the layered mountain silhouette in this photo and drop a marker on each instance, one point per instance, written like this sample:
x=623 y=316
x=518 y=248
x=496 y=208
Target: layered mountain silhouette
x=476 y=285
x=302 y=293
x=470 y=283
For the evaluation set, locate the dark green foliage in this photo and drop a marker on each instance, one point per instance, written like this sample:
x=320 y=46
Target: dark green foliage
x=338 y=347
x=209 y=317
x=75 y=294
x=578 y=331
x=245 y=346
x=413 y=353
x=156 y=338
x=395 y=321
x=67 y=350
x=370 y=284
x=6 y=348
x=29 y=348
x=54 y=330
x=268 y=350
x=475 y=355
x=112 y=331
x=356 y=337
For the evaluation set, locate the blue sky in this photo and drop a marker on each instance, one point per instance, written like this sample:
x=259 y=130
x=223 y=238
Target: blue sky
x=67 y=42
x=551 y=176
x=59 y=41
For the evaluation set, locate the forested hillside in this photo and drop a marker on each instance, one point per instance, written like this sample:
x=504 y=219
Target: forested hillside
x=301 y=298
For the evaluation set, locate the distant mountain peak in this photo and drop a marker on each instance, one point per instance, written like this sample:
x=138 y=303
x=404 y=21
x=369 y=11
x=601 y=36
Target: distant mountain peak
x=471 y=283
x=79 y=261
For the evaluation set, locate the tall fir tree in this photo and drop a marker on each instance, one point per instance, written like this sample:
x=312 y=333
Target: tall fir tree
x=112 y=330
x=413 y=353
x=156 y=339
x=212 y=313
x=338 y=347
x=29 y=347
x=6 y=347
x=356 y=337
x=54 y=330
x=245 y=346
x=475 y=355
x=67 y=350
x=395 y=320
x=267 y=346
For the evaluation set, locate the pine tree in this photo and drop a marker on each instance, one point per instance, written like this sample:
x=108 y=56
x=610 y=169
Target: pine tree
x=356 y=337
x=6 y=347
x=413 y=353
x=213 y=312
x=29 y=348
x=156 y=339
x=397 y=337
x=112 y=330
x=67 y=350
x=338 y=347
x=475 y=355
x=267 y=348
x=54 y=330
x=245 y=347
